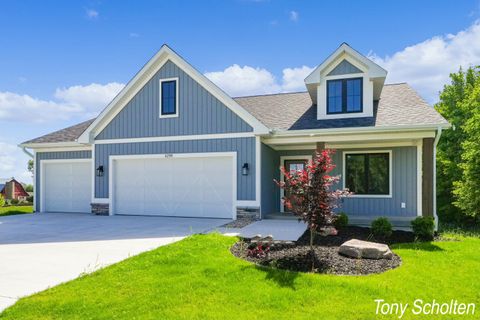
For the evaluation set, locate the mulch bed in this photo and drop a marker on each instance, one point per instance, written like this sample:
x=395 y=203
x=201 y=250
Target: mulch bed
x=296 y=256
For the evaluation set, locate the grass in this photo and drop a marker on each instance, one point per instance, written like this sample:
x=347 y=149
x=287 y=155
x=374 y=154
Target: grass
x=11 y=210
x=198 y=278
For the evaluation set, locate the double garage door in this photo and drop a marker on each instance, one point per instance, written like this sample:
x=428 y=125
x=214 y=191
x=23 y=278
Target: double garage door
x=183 y=186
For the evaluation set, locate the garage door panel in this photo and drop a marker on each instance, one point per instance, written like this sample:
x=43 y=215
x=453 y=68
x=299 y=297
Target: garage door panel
x=190 y=186
x=67 y=186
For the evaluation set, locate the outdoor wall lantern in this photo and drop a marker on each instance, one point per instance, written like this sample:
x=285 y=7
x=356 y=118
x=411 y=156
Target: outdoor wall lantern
x=245 y=169
x=100 y=171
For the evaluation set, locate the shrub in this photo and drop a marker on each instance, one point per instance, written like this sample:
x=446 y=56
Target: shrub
x=30 y=199
x=14 y=202
x=423 y=228
x=341 y=221
x=2 y=200
x=258 y=250
x=381 y=228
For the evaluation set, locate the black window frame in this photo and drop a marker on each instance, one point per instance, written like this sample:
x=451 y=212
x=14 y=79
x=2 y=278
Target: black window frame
x=367 y=170
x=162 y=113
x=344 y=96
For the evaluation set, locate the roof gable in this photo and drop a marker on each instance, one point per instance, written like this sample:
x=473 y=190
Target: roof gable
x=198 y=112
x=344 y=67
x=144 y=75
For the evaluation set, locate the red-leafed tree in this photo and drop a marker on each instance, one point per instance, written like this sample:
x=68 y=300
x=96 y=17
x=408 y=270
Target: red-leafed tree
x=308 y=194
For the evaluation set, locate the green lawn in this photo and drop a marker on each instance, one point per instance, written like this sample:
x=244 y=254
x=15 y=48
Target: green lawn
x=8 y=211
x=198 y=278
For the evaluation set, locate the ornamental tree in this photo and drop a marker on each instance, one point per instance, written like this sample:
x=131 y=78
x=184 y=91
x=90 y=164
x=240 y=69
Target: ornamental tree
x=308 y=194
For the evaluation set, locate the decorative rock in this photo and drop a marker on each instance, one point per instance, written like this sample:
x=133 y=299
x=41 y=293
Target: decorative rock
x=364 y=249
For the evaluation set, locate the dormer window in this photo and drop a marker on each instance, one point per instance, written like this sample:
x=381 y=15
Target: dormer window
x=344 y=96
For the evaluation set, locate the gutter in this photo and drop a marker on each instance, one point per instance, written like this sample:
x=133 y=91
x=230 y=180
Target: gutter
x=437 y=138
x=319 y=132
x=24 y=149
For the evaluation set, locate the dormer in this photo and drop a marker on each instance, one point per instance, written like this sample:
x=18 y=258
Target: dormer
x=345 y=85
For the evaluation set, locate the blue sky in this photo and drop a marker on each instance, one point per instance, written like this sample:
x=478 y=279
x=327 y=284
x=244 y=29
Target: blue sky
x=62 y=61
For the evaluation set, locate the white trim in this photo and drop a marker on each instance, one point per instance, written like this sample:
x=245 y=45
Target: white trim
x=42 y=172
x=145 y=74
x=282 y=162
x=419 y=176
x=437 y=138
x=390 y=173
x=174 y=115
x=35 y=187
x=359 y=145
x=94 y=174
x=311 y=146
x=101 y=200
x=258 y=171
x=374 y=69
x=347 y=137
x=56 y=146
x=378 y=129
x=247 y=203
x=179 y=138
x=113 y=158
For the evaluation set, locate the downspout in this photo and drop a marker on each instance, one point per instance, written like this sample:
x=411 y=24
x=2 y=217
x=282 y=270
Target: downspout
x=24 y=149
x=437 y=138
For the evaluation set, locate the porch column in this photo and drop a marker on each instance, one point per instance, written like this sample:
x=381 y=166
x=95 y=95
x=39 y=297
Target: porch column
x=427 y=177
x=320 y=146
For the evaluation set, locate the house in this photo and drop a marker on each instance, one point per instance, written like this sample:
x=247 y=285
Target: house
x=13 y=190
x=172 y=143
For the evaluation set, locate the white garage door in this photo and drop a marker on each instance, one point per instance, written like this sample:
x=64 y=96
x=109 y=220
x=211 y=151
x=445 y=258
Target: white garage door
x=67 y=186
x=174 y=186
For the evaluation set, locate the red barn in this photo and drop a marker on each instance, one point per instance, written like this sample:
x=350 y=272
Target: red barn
x=14 y=190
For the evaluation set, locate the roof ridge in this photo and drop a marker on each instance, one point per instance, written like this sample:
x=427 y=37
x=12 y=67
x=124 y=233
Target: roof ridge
x=395 y=83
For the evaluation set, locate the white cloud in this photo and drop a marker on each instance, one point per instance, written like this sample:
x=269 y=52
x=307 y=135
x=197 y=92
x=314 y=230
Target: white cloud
x=293 y=78
x=246 y=80
x=13 y=163
x=293 y=16
x=237 y=81
x=427 y=65
x=91 y=14
x=76 y=101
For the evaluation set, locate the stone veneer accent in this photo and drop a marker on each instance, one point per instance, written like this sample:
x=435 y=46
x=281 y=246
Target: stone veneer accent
x=248 y=213
x=100 y=209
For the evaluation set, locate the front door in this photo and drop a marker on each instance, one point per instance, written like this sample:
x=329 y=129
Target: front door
x=292 y=166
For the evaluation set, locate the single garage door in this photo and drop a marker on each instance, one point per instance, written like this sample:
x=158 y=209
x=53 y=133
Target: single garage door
x=67 y=186
x=183 y=186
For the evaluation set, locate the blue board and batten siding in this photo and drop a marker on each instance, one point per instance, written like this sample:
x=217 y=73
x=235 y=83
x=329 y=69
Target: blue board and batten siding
x=63 y=155
x=404 y=184
x=245 y=148
x=199 y=112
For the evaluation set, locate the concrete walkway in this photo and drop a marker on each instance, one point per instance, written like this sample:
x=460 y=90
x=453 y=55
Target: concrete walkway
x=38 y=251
x=285 y=230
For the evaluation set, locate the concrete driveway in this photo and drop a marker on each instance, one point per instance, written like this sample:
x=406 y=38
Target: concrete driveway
x=38 y=251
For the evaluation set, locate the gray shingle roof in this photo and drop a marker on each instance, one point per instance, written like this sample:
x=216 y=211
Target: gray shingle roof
x=65 y=135
x=399 y=105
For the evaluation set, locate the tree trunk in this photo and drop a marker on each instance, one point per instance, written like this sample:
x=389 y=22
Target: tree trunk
x=312 y=251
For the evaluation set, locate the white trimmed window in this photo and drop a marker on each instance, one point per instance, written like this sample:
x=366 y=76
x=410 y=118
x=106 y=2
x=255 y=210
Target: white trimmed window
x=169 y=98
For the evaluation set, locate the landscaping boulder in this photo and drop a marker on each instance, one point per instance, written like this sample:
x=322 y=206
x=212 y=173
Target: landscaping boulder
x=364 y=249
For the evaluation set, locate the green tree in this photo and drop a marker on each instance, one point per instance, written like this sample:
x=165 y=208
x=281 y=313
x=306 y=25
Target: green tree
x=2 y=200
x=30 y=166
x=457 y=105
